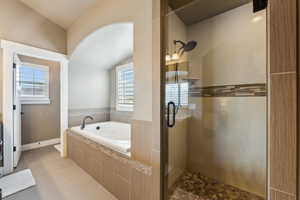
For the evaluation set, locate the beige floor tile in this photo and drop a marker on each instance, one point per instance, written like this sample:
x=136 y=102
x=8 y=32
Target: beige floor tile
x=57 y=179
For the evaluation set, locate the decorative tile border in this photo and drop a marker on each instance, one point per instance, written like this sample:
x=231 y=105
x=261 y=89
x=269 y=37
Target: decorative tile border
x=243 y=90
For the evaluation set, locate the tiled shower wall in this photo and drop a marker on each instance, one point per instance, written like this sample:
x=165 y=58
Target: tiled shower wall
x=227 y=128
x=284 y=83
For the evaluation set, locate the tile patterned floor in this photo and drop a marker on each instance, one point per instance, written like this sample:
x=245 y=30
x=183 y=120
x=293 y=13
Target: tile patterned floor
x=194 y=186
x=57 y=178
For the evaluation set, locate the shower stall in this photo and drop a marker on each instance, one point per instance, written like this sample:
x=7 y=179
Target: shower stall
x=215 y=101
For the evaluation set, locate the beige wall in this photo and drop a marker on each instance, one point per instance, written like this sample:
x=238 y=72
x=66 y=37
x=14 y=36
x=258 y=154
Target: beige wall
x=227 y=135
x=42 y=122
x=21 y=24
x=140 y=13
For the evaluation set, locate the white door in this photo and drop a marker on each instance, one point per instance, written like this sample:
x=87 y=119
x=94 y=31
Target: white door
x=17 y=119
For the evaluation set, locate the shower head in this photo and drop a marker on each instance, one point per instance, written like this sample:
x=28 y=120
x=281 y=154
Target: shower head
x=190 y=46
x=186 y=47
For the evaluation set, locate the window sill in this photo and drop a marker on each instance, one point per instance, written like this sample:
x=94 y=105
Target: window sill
x=35 y=101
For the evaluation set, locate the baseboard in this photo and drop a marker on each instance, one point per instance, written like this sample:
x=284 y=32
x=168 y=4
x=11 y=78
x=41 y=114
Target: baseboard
x=40 y=144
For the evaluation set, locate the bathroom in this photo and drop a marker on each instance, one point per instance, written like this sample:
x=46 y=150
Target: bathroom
x=150 y=99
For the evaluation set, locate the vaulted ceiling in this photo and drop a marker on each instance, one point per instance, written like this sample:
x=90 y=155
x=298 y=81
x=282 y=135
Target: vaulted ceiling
x=62 y=12
x=104 y=48
x=66 y=12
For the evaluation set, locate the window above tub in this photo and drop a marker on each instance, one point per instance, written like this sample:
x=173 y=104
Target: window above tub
x=33 y=83
x=125 y=87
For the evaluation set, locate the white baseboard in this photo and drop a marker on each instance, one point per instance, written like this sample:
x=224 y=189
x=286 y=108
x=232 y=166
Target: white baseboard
x=40 y=144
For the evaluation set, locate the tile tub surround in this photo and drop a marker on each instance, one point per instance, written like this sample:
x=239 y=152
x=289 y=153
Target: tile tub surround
x=125 y=178
x=242 y=90
x=99 y=115
x=194 y=186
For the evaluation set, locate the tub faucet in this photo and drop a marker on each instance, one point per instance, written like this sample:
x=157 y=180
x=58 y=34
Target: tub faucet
x=84 y=121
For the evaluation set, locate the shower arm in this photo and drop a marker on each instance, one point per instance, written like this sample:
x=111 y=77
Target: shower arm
x=181 y=49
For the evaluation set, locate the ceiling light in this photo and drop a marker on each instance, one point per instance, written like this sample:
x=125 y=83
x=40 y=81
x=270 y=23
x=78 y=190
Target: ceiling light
x=175 y=56
x=168 y=58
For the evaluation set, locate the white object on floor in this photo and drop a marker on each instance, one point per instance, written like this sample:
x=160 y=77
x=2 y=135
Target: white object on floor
x=40 y=144
x=57 y=147
x=16 y=182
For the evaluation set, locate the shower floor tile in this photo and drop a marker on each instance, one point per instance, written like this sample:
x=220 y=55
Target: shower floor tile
x=194 y=186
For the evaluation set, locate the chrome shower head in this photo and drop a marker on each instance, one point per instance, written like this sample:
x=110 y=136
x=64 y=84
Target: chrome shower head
x=191 y=45
x=186 y=47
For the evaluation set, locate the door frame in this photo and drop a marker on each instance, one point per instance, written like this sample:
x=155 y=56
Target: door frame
x=9 y=49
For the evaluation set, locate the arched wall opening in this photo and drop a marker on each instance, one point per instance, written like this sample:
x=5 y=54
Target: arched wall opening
x=92 y=72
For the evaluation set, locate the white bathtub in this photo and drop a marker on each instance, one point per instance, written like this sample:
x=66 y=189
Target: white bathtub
x=114 y=135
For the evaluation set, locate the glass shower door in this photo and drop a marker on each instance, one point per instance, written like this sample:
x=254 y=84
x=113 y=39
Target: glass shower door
x=214 y=143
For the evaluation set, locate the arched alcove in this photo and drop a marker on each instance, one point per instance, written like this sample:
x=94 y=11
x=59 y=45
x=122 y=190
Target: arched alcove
x=91 y=65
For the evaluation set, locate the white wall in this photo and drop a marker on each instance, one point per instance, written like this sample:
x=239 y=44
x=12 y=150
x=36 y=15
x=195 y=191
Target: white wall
x=89 y=87
x=115 y=11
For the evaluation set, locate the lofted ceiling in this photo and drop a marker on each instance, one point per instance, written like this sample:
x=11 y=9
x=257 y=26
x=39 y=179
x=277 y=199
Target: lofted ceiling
x=62 y=12
x=193 y=11
x=104 y=48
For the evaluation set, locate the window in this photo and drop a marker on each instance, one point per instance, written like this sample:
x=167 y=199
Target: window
x=172 y=91
x=125 y=87
x=33 y=84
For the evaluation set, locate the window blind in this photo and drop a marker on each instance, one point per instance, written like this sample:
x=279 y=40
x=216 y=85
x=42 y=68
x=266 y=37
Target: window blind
x=125 y=88
x=172 y=91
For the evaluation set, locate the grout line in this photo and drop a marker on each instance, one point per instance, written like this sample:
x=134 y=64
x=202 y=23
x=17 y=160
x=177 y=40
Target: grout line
x=282 y=73
x=287 y=193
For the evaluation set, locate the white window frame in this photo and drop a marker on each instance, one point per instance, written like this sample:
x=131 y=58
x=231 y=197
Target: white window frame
x=33 y=99
x=127 y=108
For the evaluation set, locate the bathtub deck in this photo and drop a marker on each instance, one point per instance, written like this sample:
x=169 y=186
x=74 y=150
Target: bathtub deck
x=193 y=186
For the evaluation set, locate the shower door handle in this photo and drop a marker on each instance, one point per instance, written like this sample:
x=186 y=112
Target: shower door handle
x=171 y=124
